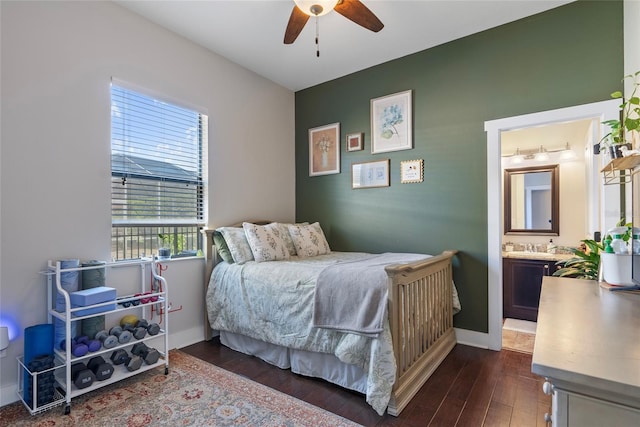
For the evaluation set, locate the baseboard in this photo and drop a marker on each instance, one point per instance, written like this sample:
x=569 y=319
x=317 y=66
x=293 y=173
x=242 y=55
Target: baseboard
x=8 y=394
x=472 y=338
x=186 y=337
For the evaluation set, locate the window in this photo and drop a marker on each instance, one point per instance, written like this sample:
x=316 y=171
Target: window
x=158 y=176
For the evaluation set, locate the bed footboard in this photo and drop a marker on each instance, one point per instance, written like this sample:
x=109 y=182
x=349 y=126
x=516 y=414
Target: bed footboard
x=421 y=321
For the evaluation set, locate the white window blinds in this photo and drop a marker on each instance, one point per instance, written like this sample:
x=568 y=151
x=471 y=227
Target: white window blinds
x=158 y=161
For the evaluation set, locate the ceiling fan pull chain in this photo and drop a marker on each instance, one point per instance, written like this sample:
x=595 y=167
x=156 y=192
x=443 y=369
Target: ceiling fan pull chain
x=317 y=38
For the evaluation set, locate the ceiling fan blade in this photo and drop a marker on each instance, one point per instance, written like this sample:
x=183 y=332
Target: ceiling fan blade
x=360 y=14
x=296 y=23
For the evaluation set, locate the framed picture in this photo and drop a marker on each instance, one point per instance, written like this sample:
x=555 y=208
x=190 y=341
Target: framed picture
x=354 y=141
x=391 y=123
x=324 y=150
x=411 y=171
x=370 y=174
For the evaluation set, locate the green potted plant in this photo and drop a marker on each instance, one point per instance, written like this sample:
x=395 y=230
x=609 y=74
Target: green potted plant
x=625 y=128
x=164 y=251
x=585 y=264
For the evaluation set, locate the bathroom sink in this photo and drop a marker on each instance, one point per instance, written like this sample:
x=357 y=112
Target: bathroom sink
x=535 y=255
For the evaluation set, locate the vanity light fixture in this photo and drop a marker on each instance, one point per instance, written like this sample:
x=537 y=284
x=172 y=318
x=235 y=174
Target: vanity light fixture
x=541 y=155
x=568 y=153
x=517 y=157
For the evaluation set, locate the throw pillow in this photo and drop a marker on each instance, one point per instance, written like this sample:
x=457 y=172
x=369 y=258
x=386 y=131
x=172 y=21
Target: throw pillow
x=266 y=242
x=237 y=244
x=222 y=247
x=284 y=232
x=309 y=240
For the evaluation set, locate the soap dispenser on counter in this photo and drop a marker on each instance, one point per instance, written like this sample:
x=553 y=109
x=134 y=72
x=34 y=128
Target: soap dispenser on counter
x=551 y=247
x=618 y=244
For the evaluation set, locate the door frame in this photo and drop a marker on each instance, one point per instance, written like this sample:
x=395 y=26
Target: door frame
x=599 y=111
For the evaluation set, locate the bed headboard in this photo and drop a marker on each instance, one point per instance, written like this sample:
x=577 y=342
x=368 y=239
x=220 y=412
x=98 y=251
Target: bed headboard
x=211 y=259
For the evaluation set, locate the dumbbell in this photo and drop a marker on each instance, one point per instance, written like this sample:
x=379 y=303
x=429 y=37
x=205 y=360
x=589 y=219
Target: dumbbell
x=123 y=335
x=101 y=369
x=137 y=331
x=152 y=328
x=148 y=354
x=119 y=357
x=81 y=376
x=108 y=341
x=93 y=344
x=134 y=363
x=77 y=349
x=145 y=299
x=129 y=303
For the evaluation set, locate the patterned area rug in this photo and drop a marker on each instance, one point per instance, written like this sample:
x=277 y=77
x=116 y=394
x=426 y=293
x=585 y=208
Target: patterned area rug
x=195 y=393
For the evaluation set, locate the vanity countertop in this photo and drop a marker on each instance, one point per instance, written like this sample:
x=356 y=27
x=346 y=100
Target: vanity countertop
x=544 y=256
x=587 y=340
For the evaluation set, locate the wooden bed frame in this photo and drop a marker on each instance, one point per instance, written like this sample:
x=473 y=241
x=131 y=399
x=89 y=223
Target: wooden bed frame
x=420 y=317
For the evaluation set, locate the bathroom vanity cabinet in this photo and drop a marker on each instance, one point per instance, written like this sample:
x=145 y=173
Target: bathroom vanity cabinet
x=522 y=281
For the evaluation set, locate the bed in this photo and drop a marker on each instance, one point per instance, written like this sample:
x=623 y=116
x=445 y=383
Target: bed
x=385 y=357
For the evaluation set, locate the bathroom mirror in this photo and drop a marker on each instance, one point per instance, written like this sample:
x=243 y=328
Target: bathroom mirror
x=532 y=200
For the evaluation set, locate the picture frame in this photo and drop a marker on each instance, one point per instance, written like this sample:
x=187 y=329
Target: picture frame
x=324 y=150
x=370 y=174
x=354 y=141
x=392 y=123
x=411 y=171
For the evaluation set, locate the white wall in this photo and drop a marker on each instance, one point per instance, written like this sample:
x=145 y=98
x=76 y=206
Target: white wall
x=57 y=61
x=631 y=38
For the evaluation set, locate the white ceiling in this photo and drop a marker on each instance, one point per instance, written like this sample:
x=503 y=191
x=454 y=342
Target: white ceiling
x=250 y=33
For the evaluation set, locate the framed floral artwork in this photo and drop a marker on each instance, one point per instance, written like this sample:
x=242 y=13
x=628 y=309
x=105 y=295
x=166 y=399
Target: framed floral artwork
x=354 y=141
x=370 y=174
x=391 y=123
x=411 y=171
x=324 y=150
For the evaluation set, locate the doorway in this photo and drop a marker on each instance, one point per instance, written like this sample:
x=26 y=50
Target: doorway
x=599 y=111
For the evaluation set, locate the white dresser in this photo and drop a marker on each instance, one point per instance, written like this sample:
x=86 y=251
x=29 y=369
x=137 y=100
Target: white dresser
x=588 y=347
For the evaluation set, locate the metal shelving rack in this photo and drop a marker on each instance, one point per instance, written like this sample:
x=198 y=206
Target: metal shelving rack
x=613 y=171
x=65 y=390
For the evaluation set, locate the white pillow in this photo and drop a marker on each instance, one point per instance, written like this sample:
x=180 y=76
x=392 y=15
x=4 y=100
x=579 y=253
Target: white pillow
x=309 y=240
x=266 y=242
x=237 y=244
x=284 y=231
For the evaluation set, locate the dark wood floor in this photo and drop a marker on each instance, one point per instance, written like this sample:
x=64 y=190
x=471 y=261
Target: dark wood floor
x=472 y=387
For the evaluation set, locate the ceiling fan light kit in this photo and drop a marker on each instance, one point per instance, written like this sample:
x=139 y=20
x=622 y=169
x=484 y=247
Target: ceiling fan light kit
x=353 y=10
x=316 y=7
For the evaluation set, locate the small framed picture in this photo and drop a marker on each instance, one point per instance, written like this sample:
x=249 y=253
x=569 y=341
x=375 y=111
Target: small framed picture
x=324 y=150
x=391 y=123
x=370 y=174
x=411 y=171
x=355 y=141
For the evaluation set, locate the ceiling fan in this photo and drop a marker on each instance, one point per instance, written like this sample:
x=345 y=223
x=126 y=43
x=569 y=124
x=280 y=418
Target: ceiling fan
x=350 y=9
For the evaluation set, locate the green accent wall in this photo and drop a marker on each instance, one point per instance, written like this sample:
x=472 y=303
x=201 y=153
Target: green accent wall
x=567 y=56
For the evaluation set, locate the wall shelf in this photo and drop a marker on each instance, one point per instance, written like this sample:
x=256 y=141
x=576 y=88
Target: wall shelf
x=619 y=171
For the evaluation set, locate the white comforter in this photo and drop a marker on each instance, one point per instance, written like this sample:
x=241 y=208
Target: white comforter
x=274 y=302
